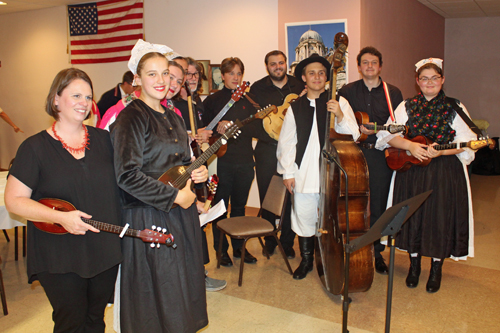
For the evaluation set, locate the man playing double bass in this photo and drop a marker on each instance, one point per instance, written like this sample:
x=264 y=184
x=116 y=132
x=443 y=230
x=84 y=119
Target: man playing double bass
x=368 y=95
x=299 y=147
x=272 y=90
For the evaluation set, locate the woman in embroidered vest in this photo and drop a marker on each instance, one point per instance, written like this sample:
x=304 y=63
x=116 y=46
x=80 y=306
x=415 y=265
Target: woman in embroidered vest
x=71 y=162
x=443 y=226
x=162 y=289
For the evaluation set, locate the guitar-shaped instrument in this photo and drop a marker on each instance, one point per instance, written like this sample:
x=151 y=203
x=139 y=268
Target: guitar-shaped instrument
x=274 y=121
x=212 y=184
x=178 y=176
x=362 y=118
x=261 y=114
x=156 y=236
x=235 y=97
x=401 y=160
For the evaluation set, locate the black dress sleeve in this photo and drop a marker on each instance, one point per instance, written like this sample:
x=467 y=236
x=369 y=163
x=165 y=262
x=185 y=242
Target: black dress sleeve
x=129 y=135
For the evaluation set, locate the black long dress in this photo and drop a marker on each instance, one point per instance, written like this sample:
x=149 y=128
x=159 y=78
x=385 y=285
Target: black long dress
x=162 y=289
x=440 y=227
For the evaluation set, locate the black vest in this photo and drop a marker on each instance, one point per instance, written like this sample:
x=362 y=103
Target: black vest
x=303 y=113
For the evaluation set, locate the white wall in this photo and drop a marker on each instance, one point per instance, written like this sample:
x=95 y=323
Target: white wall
x=472 y=66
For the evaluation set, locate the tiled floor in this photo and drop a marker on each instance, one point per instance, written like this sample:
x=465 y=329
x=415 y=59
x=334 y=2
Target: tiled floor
x=271 y=301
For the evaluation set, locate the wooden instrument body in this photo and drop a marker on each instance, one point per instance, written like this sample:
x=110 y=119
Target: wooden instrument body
x=330 y=259
x=401 y=160
x=274 y=121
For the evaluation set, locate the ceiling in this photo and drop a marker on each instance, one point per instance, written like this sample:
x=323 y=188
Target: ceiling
x=464 y=8
x=24 y=5
x=445 y=8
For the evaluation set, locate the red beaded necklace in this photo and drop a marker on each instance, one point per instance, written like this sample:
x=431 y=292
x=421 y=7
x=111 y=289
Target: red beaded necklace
x=71 y=149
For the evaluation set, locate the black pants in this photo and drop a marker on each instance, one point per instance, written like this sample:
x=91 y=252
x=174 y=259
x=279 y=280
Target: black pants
x=380 y=182
x=235 y=181
x=265 y=169
x=78 y=303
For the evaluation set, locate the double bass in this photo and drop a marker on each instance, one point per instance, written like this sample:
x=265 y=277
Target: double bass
x=343 y=214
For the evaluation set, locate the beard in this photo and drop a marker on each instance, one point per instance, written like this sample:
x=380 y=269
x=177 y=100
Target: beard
x=274 y=77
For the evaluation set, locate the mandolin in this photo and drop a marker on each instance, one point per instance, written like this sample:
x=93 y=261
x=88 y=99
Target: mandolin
x=402 y=160
x=235 y=97
x=362 y=118
x=274 y=121
x=261 y=114
x=157 y=235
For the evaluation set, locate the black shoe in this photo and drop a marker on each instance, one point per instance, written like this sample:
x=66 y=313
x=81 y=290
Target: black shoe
x=249 y=259
x=270 y=249
x=289 y=252
x=414 y=272
x=225 y=260
x=434 y=282
x=380 y=266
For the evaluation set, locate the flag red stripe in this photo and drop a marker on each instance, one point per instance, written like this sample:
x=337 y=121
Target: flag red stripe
x=97 y=61
x=106 y=50
x=109 y=2
x=123 y=18
x=107 y=40
x=119 y=9
x=120 y=28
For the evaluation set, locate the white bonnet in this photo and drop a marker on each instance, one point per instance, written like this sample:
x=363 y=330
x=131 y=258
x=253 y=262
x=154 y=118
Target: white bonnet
x=141 y=48
x=438 y=62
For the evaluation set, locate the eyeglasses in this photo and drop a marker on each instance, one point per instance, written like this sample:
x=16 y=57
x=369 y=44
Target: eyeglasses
x=192 y=75
x=426 y=80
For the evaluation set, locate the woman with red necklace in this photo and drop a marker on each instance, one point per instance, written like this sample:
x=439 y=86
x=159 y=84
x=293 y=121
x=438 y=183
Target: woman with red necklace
x=72 y=162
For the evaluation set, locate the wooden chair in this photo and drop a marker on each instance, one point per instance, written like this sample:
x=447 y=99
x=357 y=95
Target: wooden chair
x=2 y=292
x=246 y=227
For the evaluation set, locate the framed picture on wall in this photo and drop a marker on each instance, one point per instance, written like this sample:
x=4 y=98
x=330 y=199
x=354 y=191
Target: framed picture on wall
x=305 y=38
x=215 y=78
x=205 y=85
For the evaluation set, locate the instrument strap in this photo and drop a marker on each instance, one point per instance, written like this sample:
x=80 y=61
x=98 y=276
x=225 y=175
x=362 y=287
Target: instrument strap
x=388 y=99
x=254 y=103
x=465 y=118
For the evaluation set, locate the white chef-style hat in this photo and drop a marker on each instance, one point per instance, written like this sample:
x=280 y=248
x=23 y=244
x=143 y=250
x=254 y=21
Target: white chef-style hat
x=438 y=62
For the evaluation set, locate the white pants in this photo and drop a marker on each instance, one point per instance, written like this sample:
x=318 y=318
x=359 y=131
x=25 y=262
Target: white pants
x=305 y=213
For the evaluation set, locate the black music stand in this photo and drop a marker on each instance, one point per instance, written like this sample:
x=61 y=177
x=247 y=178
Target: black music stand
x=387 y=225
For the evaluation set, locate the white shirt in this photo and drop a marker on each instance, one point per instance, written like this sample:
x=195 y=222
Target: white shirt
x=307 y=177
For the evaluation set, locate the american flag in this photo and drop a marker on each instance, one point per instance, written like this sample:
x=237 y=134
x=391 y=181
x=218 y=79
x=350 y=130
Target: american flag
x=105 y=31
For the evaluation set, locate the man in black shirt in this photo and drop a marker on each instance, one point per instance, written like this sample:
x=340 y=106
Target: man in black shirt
x=272 y=90
x=368 y=95
x=113 y=96
x=235 y=168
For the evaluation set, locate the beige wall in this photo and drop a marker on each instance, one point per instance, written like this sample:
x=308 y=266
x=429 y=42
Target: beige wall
x=472 y=67
x=404 y=31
